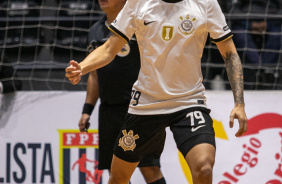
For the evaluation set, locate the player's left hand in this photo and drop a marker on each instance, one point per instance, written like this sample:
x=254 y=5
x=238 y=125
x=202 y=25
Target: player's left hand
x=73 y=72
x=238 y=112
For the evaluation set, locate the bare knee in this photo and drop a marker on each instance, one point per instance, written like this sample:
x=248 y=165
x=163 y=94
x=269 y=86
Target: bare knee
x=151 y=174
x=118 y=178
x=201 y=160
x=203 y=173
x=114 y=179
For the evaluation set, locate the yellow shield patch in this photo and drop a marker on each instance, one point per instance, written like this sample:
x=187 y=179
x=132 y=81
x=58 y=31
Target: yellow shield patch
x=167 y=33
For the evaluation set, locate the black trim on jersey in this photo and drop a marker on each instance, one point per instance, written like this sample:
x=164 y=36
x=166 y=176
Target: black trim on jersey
x=201 y=101
x=222 y=38
x=172 y=1
x=116 y=31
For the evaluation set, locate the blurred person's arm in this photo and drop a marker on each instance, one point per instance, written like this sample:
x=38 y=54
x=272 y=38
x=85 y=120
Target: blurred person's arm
x=1 y=87
x=9 y=84
x=92 y=95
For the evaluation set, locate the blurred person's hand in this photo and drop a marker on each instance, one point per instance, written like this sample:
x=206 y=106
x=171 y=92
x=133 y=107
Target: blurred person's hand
x=84 y=122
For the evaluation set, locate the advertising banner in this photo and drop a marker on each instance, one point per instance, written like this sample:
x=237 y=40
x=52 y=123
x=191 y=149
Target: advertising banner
x=40 y=141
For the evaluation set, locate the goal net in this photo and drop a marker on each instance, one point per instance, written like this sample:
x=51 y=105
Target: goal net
x=256 y=26
x=38 y=38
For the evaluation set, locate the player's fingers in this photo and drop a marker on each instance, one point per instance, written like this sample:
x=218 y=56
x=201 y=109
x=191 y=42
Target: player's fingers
x=85 y=127
x=231 y=120
x=81 y=128
x=75 y=64
x=242 y=127
x=239 y=132
x=73 y=73
x=245 y=126
x=82 y=125
x=70 y=68
x=74 y=80
x=84 y=122
x=74 y=77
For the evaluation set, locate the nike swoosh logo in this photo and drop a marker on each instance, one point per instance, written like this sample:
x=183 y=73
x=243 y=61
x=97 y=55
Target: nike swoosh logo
x=147 y=23
x=194 y=129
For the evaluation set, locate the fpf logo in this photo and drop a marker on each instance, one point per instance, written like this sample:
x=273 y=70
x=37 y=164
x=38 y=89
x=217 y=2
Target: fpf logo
x=79 y=157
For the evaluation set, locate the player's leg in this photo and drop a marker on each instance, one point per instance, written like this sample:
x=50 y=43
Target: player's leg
x=200 y=160
x=194 y=135
x=150 y=169
x=152 y=175
x=141 y=136
x=121 y=171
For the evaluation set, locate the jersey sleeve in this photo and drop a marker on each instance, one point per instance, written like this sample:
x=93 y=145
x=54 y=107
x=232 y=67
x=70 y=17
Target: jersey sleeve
x=216 y=23
x=124 y=25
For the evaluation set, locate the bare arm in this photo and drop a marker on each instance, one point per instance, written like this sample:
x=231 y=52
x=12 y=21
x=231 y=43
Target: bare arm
x=233 y=68
x=92 y=96
x=103 y=55
x=100 y=57
x=235 y=76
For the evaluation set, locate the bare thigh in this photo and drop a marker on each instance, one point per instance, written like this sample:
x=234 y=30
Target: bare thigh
x=121 y=171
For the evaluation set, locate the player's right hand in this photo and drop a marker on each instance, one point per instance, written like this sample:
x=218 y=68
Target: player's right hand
x=84 y=122
x=73 y=72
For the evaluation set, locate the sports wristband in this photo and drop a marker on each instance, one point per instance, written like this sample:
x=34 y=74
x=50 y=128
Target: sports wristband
x=87 y=108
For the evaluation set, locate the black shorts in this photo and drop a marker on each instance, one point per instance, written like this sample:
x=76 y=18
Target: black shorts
x=111 y=119
x=144 y=135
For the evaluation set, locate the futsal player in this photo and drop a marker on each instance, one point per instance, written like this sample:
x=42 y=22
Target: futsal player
x=171 y=35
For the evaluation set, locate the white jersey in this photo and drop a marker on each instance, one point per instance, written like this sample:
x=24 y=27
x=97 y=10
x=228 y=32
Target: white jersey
x=171 y=36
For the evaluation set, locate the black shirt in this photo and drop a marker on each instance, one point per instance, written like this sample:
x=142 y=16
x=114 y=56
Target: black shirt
x=115 y=79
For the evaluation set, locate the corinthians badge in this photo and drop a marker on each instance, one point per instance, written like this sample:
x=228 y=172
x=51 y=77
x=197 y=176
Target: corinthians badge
x=127 y=142
x=186 y=26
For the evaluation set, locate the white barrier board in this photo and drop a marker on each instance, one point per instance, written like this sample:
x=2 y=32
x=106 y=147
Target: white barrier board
x=40 y=142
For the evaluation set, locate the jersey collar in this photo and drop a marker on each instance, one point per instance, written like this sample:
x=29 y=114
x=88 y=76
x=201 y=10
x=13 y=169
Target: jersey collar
x=172 y=1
